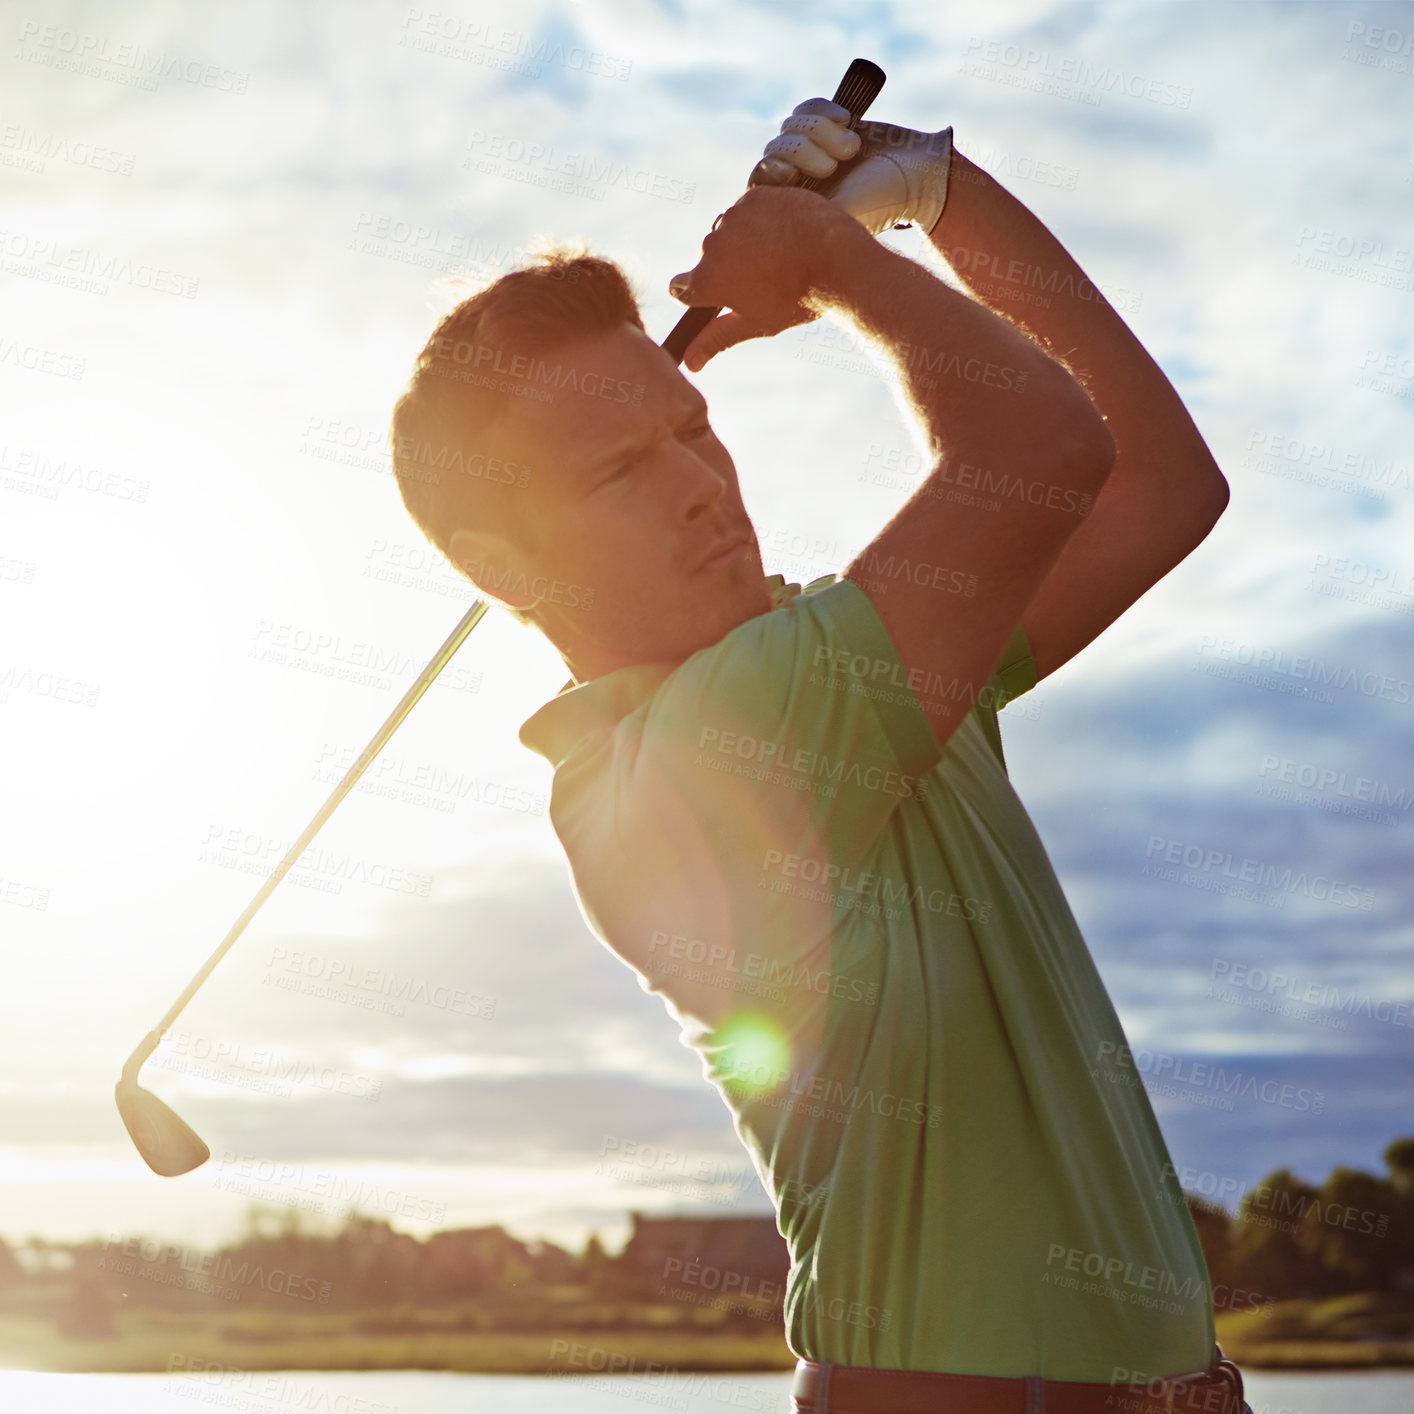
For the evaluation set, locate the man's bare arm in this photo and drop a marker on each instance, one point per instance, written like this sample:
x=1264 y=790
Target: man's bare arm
x=950 y=575
x=1165 y=492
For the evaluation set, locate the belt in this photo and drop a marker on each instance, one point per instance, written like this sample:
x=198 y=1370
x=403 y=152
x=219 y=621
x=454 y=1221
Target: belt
x=822 y=1387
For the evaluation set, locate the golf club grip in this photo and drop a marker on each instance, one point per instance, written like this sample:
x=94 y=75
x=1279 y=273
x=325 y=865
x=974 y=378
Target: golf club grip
x=858 y=89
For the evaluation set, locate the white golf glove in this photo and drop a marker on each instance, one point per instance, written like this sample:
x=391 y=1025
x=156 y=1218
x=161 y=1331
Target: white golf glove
x=891 y=176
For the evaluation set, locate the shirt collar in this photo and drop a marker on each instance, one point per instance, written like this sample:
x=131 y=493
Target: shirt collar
x=580 y=708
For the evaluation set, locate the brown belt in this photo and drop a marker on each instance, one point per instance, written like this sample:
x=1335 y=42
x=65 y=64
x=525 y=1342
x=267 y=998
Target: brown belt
x=826 y=1388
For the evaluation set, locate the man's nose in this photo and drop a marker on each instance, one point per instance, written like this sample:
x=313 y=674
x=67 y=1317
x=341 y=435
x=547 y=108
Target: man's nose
x=703 y=487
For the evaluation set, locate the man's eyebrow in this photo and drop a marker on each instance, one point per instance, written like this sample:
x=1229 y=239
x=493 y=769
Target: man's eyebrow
x=628 y=446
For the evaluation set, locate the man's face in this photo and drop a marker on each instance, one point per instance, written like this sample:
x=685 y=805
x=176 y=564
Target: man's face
x=630 y=496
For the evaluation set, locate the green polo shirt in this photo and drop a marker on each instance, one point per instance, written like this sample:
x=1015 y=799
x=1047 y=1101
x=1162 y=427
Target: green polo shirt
x=862 y=936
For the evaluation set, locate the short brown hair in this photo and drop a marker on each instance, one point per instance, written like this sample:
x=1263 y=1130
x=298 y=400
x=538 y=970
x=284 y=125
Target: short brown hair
x=561 y=294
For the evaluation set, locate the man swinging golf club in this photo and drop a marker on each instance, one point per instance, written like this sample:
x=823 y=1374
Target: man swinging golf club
x=788 y=809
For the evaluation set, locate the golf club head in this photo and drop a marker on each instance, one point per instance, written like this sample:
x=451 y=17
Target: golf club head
x=168 y=1144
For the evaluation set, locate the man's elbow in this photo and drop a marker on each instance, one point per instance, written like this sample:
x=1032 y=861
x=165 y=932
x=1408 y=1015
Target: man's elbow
x=1084 y=441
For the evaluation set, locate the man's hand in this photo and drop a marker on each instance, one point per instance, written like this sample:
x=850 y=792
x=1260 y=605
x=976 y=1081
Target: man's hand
x=881 y=174
x=764 y=261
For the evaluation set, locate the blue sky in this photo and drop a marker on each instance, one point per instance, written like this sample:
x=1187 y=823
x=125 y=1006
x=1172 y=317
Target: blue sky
x=211 y=594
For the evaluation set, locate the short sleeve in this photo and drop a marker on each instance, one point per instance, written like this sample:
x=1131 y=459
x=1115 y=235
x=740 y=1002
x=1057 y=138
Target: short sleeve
x=718 y=827
x=1015 y=674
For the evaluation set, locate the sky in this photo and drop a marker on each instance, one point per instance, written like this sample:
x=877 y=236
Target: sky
x=226 y=234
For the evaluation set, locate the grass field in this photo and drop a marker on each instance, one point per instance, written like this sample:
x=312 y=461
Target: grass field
x=1342 y=1332
x=145 y=1340
x=1347 y=1332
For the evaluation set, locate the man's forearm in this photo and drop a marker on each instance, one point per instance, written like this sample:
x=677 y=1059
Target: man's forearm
x=1006 y=257
x=977 y=383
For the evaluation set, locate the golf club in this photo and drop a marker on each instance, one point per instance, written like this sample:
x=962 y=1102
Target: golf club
x=169 y=1145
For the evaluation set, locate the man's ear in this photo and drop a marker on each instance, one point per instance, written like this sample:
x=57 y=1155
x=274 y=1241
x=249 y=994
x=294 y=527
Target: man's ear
x=493 y=565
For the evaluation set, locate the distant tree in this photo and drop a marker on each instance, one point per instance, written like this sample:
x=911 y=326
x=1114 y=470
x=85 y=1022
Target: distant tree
x=596 y=1267
x=1272 y=1249
x=1399 y=1158
x=10 y=1269
x=553 y=1265
x=1347 y=1229
x=1215 y=1229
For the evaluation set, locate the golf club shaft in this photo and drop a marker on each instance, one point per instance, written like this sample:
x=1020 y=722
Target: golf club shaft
x=380 y=739
x=858 y=89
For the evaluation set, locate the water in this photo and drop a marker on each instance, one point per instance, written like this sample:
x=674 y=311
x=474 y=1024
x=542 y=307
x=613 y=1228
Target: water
x=421 y=1392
